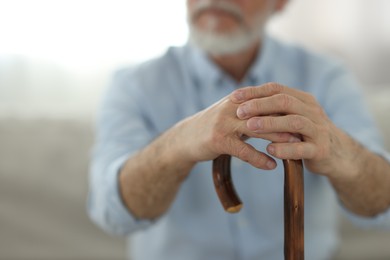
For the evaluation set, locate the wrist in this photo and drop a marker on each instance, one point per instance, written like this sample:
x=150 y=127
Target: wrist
x=170 y=149
x=349 y=162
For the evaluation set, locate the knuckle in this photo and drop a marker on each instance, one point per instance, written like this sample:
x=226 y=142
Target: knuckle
x=296 y=123
x=252 y=92
x=321 y=152
x=300 y=150
x=320 y=111
x=269 y=123
x=274 y=88
x=243 y=153
x=260 y=161
x=317 y=109
x=258 y=105
x=311 y=99
x=285 y=101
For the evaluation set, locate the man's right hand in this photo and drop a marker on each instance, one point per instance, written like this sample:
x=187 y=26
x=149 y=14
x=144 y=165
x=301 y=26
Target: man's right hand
x=217 y=130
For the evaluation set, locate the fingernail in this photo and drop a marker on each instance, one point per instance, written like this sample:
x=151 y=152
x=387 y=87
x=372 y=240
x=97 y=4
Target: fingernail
x=255 y=124
x=241 y=113
x=271 y=164
x=271 y=149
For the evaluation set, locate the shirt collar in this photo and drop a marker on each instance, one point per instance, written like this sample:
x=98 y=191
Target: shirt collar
x=257 y=73
x=202 y=68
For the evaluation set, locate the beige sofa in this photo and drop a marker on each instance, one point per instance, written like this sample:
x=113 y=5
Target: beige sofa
x=43 y=187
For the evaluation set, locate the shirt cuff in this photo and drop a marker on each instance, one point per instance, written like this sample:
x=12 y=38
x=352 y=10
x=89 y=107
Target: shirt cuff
x=120 y=219
x=381 y=220
x=385 y=155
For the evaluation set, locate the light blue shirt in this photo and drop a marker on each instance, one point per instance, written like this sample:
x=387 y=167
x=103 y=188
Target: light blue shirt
x=146 y=100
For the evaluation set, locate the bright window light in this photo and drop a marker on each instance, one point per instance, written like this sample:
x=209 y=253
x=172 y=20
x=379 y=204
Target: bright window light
x=57 y=56
x=91 y=32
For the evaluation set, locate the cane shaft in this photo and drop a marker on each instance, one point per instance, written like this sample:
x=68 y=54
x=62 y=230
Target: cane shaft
x=293 y=201
x=293 y=210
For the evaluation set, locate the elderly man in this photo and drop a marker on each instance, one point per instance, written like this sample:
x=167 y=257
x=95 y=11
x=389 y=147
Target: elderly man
x=163 y=121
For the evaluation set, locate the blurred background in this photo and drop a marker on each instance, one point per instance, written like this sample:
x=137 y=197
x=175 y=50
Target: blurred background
x=56 y=58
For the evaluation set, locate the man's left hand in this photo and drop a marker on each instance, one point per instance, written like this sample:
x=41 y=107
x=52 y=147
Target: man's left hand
x=273 y=108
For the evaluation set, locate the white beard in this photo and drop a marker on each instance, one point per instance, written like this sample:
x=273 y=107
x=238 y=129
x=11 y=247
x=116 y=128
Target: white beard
x=223 y=43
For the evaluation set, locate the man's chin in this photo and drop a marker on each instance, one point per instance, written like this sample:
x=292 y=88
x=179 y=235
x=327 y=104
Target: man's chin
x=219 y=44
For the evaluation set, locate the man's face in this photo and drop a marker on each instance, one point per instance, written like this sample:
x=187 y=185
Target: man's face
x=230 y=24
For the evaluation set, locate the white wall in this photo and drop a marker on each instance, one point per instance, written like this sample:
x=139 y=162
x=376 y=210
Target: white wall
x=56 y=56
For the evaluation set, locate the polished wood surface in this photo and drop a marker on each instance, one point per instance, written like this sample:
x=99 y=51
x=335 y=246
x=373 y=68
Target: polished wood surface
x=293 y=210
x=224 y=185
x=293 y=201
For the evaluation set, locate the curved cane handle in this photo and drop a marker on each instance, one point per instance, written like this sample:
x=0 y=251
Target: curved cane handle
x=224 y=185
x=293 y=201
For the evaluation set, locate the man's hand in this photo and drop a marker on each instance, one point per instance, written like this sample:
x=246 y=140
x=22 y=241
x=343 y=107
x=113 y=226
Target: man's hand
x=273 y=108
x=217 y=130
x=360 y=177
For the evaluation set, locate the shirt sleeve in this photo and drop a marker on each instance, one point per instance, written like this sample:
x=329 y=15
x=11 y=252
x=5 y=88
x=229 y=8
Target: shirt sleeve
x=345 y=104
x=121 y=130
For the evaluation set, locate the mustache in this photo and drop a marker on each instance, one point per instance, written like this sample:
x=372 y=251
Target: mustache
x=226 y=6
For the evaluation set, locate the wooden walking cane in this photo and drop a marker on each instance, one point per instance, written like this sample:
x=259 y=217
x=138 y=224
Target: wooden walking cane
x=293 y=201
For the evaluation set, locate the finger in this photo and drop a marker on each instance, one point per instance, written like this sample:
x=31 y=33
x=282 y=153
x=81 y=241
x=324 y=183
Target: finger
x=278 y=137
x=273 y=105
x=269 y=89
x=249 y=154
x=281 y=124
x=274 y=137
x=294 y=151
x=243 y=132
